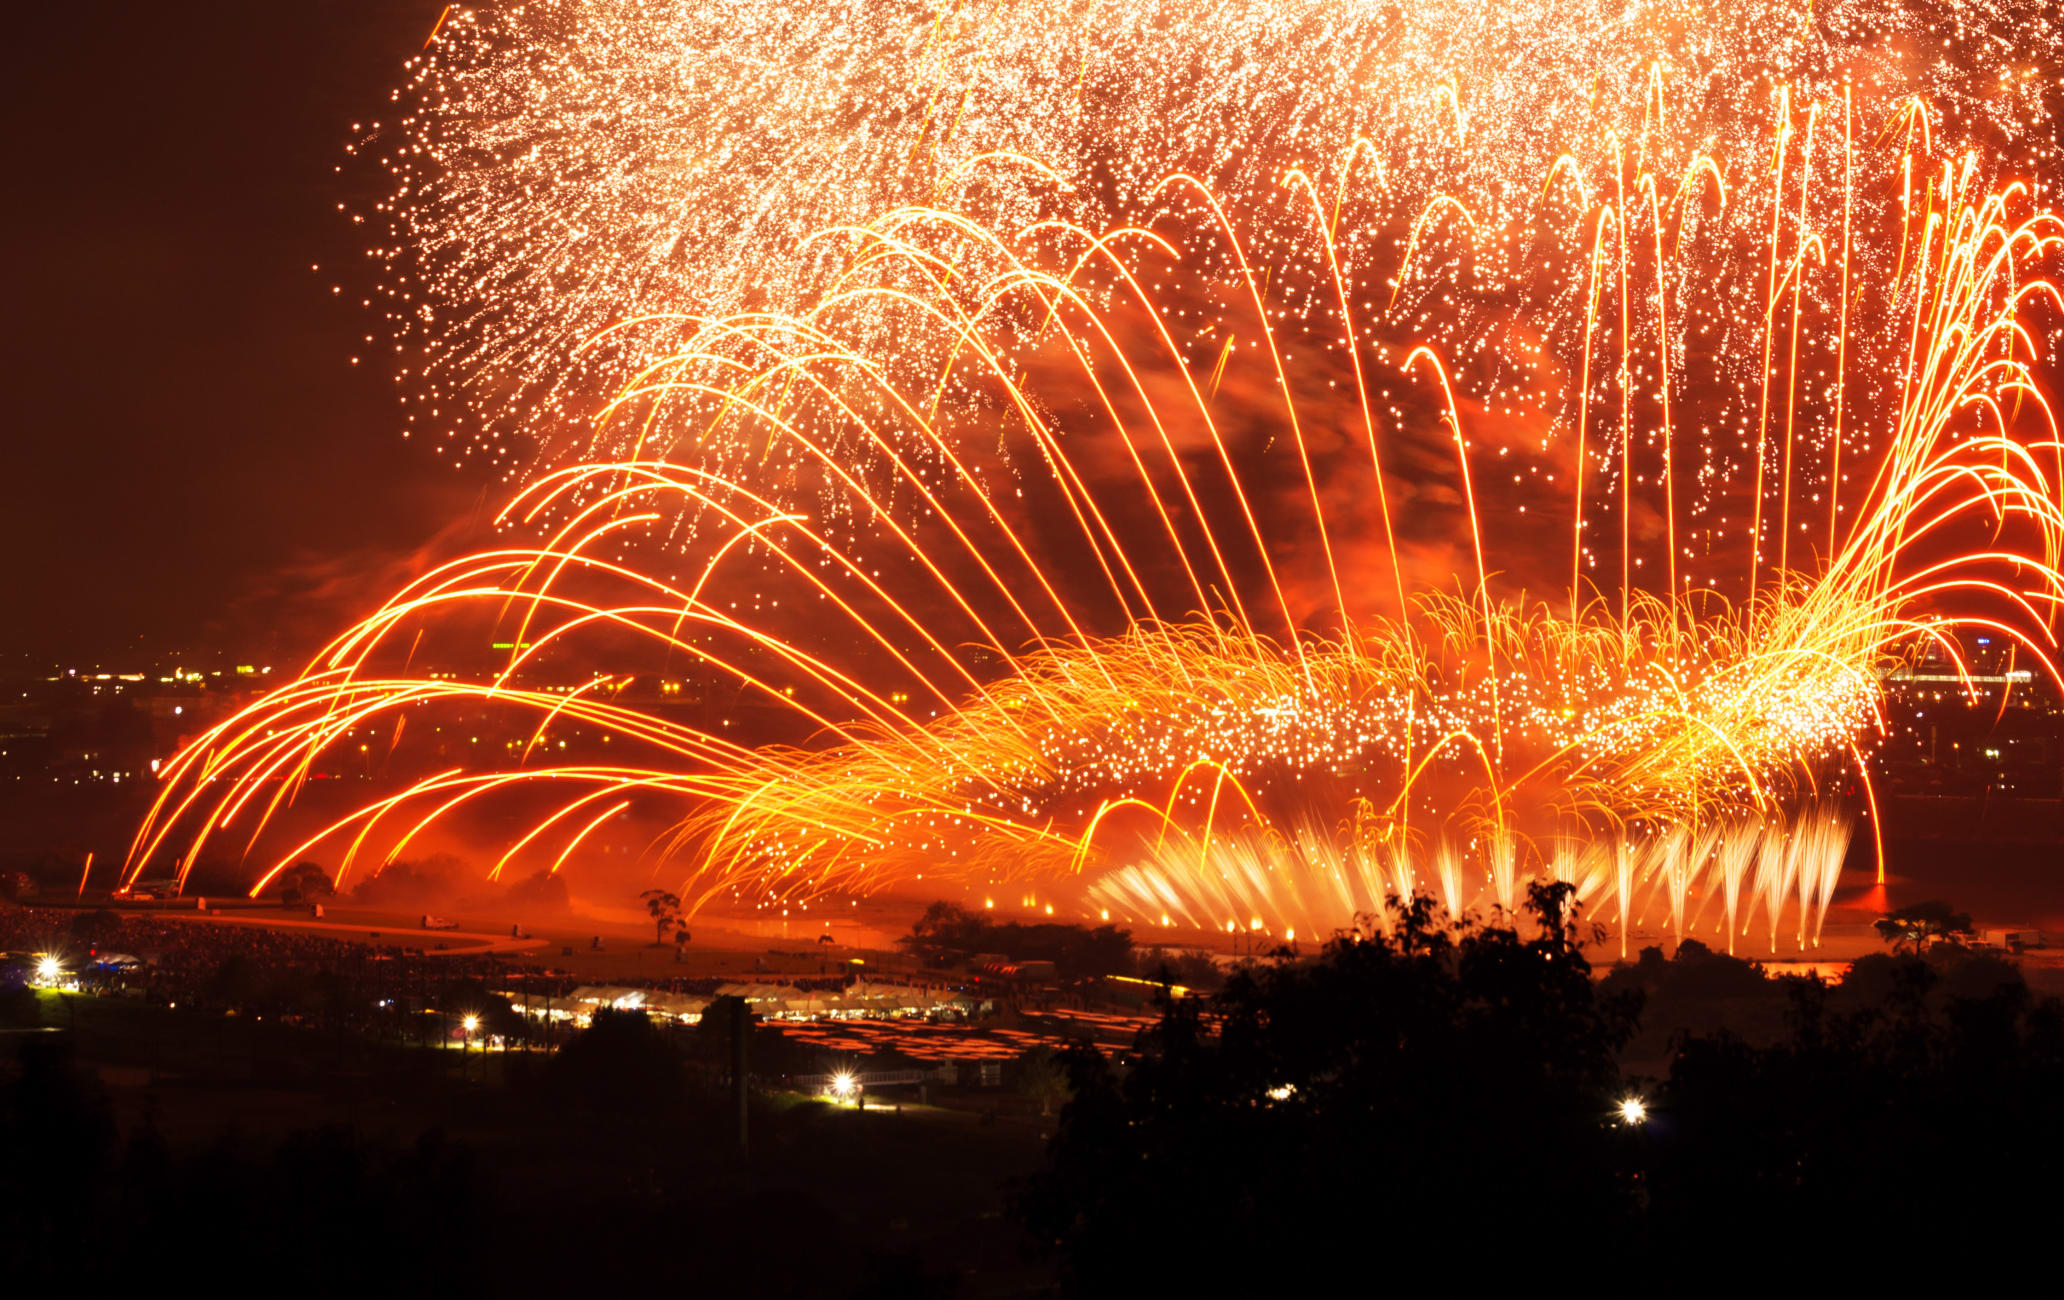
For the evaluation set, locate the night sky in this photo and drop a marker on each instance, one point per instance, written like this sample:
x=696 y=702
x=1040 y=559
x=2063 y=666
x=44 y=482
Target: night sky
x=192 y=459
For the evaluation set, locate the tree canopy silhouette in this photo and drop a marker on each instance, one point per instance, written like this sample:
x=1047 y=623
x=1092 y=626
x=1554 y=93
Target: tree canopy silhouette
x=620 y=1066
x=304 y=881
x=947 y=931
x=1420 y=1081
x=1434 y=1089
x=1914 y=928
x=665 y=910
x=1910 y=1113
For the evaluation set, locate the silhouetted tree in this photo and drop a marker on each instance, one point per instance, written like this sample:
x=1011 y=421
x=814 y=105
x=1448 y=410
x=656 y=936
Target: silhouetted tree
x=664 y=909
x=304 y=880
x=944 y=930
x=712 y=1040
x=620 y=1066
x=1913 y=928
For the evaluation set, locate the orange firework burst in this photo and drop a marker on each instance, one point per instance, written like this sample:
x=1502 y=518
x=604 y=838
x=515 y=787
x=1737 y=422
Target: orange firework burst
x=1195 y=569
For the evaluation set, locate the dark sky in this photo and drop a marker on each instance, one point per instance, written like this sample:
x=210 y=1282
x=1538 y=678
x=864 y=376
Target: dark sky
x=191 y=457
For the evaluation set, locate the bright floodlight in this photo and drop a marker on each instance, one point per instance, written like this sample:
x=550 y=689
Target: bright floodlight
x=1633 y=1110
x=842 y=1085
x=471 y=1023
x=48 y=969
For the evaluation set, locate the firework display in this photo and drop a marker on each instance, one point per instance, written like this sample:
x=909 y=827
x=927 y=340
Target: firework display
x=568 y=177
x=1279 y=495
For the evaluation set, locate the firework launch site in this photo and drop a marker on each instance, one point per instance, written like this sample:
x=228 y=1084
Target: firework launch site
x=1002 y=649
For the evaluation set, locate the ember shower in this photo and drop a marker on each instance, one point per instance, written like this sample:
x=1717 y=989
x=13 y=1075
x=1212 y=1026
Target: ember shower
x=1233 y=533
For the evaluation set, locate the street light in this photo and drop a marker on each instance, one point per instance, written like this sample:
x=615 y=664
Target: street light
x=842 y=1086
x=48 y=968
x=1633 y=1111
